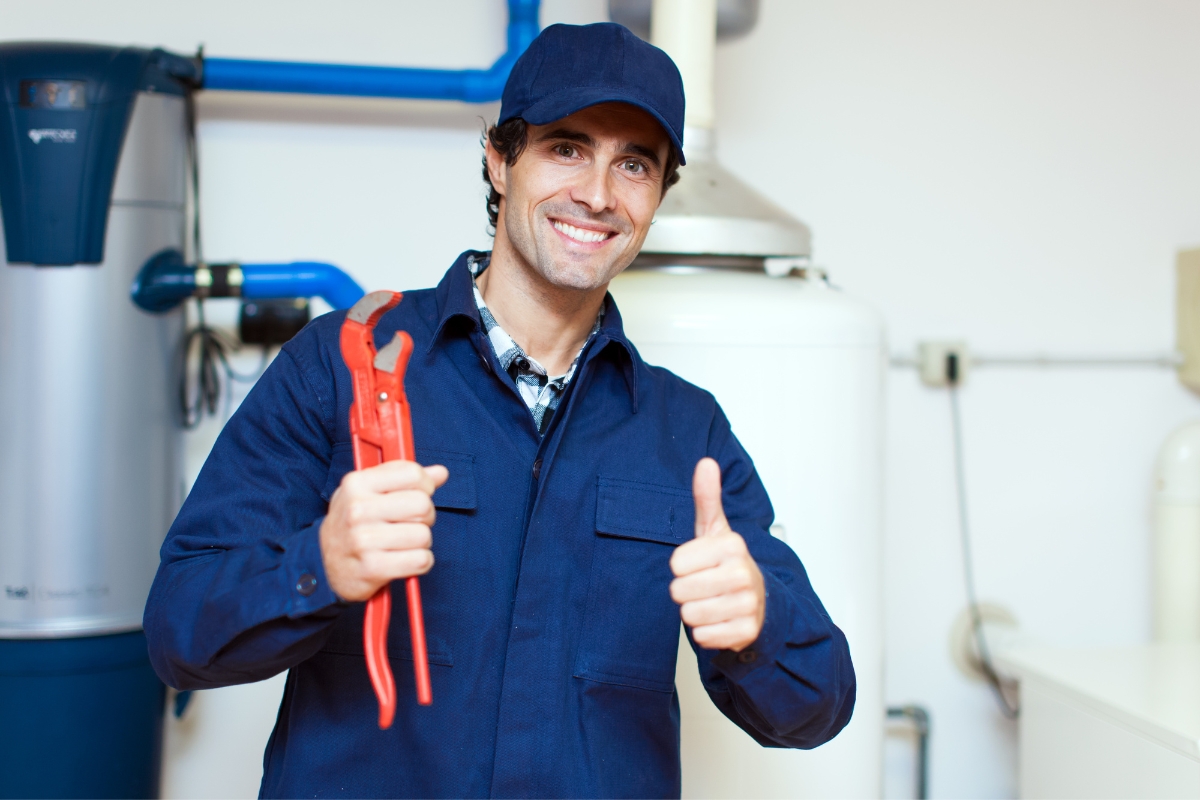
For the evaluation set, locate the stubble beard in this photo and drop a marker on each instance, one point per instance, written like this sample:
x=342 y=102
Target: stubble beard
x=535 y=248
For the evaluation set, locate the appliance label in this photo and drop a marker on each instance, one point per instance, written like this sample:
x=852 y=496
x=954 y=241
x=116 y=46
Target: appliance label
x=56 y=135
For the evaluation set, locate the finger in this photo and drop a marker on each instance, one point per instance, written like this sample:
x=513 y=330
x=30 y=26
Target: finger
x=390 y=476
x=707 y=552
x=406 y=505
x=391 y=565
x=382 y=536
x=439 y=474
x=706 y=490
x=720 y=580
x=733 y=635
x=715 y=610
x=693 y=556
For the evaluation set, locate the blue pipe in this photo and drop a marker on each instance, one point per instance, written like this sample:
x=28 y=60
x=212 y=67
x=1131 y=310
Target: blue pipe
x=166 y=280
x=468 y=85
x=300 y=279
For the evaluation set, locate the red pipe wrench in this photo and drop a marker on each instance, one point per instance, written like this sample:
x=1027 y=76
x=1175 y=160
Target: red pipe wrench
x=381 y=430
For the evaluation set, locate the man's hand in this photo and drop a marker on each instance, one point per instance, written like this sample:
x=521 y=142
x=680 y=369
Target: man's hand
x=717 y=585
x=377 y=527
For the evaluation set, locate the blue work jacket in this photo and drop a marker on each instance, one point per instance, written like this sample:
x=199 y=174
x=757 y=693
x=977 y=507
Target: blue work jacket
x=552 y=636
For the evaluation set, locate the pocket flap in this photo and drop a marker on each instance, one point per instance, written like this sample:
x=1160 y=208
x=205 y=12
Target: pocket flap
x=458 y=491
x=646 y=511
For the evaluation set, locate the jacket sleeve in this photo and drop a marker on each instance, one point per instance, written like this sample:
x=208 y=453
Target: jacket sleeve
x=794 y=686
x=240 y=593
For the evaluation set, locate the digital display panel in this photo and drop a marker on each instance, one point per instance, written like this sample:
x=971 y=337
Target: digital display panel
x=66 y=95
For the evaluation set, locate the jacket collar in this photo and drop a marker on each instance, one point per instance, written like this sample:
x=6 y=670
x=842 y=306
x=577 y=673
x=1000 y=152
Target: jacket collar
x=455 y=295
x=456 y=298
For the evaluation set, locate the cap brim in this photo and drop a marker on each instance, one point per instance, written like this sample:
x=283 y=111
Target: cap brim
x=566 y=102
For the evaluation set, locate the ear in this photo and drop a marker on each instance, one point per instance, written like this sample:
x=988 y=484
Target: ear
x=497 y=169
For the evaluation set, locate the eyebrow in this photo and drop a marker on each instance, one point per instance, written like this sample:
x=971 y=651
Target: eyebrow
x=566 y=134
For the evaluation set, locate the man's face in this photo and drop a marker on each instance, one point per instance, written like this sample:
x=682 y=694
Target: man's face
x=578 y=203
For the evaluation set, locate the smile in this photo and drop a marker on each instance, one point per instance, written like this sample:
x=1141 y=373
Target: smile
x=581 y=234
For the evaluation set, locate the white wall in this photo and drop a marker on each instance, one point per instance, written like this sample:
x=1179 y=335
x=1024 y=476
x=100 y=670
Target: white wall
x=1016 y=173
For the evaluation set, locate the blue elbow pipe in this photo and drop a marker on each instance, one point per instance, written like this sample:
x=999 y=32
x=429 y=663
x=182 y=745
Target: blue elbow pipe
x=467 y=85
x=300 y=279
x=166 y=280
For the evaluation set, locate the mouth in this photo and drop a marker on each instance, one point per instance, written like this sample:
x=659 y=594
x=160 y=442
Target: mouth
x=582 y=235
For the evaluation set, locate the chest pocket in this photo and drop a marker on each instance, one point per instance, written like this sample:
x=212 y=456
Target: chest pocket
x=630 y=633
x=455 y=501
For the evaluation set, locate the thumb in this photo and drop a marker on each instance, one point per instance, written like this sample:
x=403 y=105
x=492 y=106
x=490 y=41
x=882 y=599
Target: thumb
x=706 y=489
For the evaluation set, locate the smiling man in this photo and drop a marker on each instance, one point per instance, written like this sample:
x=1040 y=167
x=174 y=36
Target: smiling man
x=576 y=505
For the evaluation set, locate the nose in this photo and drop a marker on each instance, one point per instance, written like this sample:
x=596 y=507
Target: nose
x=594 y=189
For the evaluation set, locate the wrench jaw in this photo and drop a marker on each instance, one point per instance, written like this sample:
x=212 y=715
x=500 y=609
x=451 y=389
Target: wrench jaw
x=395 y=421
x=381 y=430
x=371 y=307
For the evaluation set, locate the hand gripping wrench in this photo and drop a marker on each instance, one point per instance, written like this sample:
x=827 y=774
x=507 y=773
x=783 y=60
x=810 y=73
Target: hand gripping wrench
x=381 y=430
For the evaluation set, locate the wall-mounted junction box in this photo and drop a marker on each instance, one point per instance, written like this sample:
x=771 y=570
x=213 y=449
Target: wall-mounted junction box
x=933 y=362
x=1187 y=316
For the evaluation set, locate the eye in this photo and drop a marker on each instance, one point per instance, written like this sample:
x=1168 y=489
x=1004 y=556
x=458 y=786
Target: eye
x=634 y=166
x=565 y=150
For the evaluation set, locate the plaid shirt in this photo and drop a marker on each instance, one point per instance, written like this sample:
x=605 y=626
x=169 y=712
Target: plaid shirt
x=540 y=390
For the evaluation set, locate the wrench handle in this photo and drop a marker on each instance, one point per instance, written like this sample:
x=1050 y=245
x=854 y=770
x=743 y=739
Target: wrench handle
x=376 y=617
x=416 y=624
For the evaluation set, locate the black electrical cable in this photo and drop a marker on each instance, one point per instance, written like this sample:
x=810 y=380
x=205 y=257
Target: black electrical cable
x=202 y=394
x=189 y=101
x=200 y=386
x=985 y=656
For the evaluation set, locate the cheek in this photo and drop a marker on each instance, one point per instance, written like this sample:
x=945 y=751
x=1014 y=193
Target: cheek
x=641 y=205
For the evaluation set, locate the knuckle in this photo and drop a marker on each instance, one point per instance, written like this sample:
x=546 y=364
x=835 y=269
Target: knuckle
x=746 y=604
x=357 y=539
x=411 y=471
x=425 y=505
x=355 y=513
x=424 y=537
x=370 y=567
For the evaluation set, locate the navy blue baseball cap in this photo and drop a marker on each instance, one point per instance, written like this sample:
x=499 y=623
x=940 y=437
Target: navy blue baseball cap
x=570 y=67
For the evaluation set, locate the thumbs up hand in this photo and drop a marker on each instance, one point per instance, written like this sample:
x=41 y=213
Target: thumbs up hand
x=717 y=585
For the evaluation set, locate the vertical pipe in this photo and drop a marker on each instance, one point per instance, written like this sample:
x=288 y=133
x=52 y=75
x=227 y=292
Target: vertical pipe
x=919 y=718
x=687 y=31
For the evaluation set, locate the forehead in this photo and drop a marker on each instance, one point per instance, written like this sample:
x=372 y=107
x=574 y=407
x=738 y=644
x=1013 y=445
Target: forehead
x=620 y=122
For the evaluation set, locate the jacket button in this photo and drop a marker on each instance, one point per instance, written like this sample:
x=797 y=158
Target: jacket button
x=307 y=584
x=537 y=469
x=747 y=656
x=487 y=365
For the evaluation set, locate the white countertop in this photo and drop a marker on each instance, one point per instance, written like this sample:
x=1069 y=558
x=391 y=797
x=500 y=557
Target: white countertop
x=1153 y=689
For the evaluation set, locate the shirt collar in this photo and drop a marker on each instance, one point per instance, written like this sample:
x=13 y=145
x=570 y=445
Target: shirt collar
x=456 y=298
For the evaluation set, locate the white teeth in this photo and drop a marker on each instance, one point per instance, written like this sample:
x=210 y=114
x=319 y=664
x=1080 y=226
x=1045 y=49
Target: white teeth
x=578 y=234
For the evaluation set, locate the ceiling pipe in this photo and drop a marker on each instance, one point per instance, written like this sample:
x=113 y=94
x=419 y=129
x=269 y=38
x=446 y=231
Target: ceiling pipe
x=466 y=85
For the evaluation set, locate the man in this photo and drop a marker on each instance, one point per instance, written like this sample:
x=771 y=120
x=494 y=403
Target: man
x=575 y=507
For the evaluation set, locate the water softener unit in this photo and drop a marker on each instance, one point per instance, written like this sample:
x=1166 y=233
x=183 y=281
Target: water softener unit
x=93 y=155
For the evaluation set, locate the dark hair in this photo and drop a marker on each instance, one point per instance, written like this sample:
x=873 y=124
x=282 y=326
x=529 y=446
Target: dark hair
x=509 y=140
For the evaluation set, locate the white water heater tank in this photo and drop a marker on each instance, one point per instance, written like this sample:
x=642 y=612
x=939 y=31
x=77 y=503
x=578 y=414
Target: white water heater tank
x=1177 y=537
x=798 y=368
